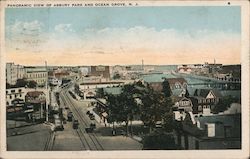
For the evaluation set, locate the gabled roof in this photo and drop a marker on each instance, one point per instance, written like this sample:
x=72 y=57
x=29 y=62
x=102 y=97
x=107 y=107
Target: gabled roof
x=172 y=81
x=204 y=92
x=177 y=98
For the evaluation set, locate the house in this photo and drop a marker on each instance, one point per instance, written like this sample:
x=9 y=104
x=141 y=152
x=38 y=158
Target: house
x=15 y=93
x=182 y=106
x=209 y=132
x=204 y=100
x=35 y=97
x=176 y=85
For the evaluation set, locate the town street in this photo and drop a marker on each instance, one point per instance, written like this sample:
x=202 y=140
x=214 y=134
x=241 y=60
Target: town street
x=79 y=139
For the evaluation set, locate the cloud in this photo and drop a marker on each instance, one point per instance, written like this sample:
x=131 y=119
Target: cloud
x=136 y=41
x=25 y=35
x=166 y=41
x=25 y=28
x=62 y=28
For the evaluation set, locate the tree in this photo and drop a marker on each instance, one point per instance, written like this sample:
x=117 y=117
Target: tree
x=32 y=84
x=168 y=117
x=100 y=93
x=113 y=110
x=168 y=122
x=130 y=106
x=225 y=103
x=153 y=107
x=123 y=107
x=21 y=82
x=166 y=88
x=117 y=76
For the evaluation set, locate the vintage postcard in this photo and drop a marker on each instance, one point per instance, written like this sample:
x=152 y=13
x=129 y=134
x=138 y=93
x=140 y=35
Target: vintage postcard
x=124 y=79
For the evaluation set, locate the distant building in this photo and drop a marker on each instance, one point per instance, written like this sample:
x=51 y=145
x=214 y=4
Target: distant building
x=89 y=89
x=174 y=83
x=233 y=72
x=14 y=72
x=184 y=69
x=84 y=71
x=102 y=71
x=37 y=74
x=209 y=132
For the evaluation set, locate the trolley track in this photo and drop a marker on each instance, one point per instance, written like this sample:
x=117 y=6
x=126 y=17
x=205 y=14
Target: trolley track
x=89 y=141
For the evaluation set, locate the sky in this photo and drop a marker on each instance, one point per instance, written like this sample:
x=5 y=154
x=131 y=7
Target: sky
x=123 y=35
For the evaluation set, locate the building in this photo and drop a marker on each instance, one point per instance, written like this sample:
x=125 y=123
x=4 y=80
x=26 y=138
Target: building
x=174 y=83
x=102 y=71
x=182 y=106
x=35 y=97
x=13 y=94
x=83 y=71
x=89 y=89
x=37 y=74
x=14 y=72
x=209 y=132
x=177 y=83
x=184 y=69
x=204 y=100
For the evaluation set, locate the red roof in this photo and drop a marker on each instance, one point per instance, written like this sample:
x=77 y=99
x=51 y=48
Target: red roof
x=172 y=81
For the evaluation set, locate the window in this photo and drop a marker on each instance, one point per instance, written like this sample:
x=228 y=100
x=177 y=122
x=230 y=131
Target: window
x=199 y=101
x=20 y=95
x=7 y=92
x=13 y=91
x=10 y=96
x=7 y=103
x=19 y=90
x=199 y=108
x=15 y=95
x=177 y=85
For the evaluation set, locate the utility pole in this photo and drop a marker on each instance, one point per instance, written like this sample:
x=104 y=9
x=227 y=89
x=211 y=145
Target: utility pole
x=142 y=64
x=47 y=95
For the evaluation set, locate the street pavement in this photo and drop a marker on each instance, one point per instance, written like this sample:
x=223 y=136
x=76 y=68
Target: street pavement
x=108 y=142
x=67 y=140
x=28 y=138
x=36 y=137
